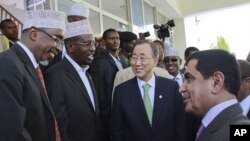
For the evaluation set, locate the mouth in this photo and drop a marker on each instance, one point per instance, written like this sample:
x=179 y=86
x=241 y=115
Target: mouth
x=91 y=57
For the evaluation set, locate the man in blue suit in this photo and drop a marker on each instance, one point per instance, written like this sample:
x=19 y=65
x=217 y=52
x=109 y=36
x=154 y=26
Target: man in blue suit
x=147 y=107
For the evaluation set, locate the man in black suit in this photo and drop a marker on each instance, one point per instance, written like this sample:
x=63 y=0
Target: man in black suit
x=244 y=92
x=147 y=107
x=212 y=81
x=70 y=88
x=26 y=112
x=104 y=68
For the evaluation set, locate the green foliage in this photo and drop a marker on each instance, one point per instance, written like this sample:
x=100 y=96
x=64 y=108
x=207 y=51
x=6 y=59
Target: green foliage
x=221 y=44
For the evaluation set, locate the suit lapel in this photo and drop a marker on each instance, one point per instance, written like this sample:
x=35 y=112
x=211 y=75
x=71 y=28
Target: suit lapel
x=94 y=93
x=158 y=101
x=136 y=99
x=31 y=70
x=75 y=78
x=111 y=60
x=225 y=116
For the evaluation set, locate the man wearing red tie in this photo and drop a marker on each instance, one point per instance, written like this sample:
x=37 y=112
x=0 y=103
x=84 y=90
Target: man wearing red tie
x=26 y=111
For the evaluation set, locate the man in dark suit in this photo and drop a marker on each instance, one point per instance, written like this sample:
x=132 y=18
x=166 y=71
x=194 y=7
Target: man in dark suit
x=244 y=92
x=154 y=114
x=212 y=81
x=26 y=112
x=70 y=88
x=104 y=68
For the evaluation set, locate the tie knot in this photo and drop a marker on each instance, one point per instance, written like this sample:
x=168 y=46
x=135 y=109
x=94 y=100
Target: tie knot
x=146 y=87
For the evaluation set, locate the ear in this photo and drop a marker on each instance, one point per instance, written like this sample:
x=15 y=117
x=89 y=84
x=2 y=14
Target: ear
x=70 y=48
x=180 y=61
x=33 y=33
x=218 y=79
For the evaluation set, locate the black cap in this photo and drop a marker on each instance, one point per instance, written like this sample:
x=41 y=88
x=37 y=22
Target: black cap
x=127 y=36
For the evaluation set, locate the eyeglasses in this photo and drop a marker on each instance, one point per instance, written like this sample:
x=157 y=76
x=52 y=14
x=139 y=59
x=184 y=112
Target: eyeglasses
x=86 y=44
x=140 y=58
x=58 y=41
x=170 y=59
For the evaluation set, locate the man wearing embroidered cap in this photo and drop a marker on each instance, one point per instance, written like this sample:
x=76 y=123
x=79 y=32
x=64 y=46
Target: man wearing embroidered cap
x=172 y=62
x=70 y=88
x=78 y=11
x=27 y=113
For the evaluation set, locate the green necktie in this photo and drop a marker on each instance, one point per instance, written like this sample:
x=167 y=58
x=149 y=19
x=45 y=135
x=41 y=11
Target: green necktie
x=147 y=102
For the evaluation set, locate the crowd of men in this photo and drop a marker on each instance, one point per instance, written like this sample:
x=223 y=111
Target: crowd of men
x=53 y=87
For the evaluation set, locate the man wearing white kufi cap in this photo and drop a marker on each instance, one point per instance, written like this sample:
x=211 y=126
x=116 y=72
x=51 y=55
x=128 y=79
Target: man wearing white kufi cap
x=78 y=11
x=70 y=87
x=27 y=113
x=172 y=62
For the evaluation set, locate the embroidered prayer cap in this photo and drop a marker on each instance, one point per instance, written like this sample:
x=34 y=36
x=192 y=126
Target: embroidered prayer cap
x=79 y=9
x=171 y=52
x=44 y=19
x=78 y=28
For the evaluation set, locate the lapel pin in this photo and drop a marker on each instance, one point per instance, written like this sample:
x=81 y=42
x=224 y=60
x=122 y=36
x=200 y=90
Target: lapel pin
x=160 y=96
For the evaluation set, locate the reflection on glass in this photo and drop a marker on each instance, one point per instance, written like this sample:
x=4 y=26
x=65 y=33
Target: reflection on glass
x=116 y=7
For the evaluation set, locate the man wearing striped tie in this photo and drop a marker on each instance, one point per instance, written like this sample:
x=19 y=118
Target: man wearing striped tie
x=26 y=111
x=147 y=107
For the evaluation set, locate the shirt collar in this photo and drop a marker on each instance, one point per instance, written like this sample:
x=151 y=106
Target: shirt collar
x=29 y=53
x=216 y=110
x=75 y=65
x=151 y=82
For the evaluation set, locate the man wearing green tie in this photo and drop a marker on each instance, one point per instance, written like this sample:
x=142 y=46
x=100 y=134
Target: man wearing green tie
x=147 y=107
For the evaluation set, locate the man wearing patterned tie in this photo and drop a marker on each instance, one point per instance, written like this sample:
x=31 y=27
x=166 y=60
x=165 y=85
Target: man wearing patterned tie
x=244 y=92
x=26 y=111
x=212 y=81
x=147 y=107
x=70 y=87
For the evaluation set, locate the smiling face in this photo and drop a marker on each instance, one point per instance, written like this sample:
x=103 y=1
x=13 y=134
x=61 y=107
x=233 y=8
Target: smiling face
x=172 y=65
x=82 y=50
x=143 y=61
x=46 y=44
x=196 y=91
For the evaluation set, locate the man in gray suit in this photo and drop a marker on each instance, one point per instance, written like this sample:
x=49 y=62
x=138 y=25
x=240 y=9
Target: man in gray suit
x=212 y=81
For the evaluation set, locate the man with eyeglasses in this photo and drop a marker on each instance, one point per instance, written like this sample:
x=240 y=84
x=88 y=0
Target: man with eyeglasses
x=147 y=107
x=172 y=62
x=24 y=104
x=70 y=87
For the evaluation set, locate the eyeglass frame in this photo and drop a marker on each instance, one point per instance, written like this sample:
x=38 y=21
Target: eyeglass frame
x=173 y=60
x=58 y=41
x=87 y=44
x=139 y=58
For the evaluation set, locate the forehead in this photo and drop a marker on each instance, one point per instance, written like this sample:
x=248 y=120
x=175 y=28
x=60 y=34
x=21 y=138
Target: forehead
x=112 y=34
x=191 y=68
x=86 y=37
x=57 y=32
x=142 y=49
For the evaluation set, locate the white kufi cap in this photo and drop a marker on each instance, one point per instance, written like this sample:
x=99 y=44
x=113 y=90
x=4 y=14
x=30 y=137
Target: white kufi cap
x=44 y=19
x=171 y=52
x=78 y=28
x=79 y=9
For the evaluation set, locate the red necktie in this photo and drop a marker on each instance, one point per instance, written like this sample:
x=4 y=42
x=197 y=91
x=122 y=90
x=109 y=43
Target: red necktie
x=40 y=75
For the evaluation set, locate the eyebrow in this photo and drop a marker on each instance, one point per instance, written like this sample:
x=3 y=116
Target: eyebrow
x=188 y=75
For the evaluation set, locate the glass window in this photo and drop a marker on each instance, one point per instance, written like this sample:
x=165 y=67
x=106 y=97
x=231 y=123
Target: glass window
x=94 y=18
x=137 y=13
x=149 y=18
x=161 y=19
x=110 y=23
x=116 y=7
x=93 y=2
x=64 y=5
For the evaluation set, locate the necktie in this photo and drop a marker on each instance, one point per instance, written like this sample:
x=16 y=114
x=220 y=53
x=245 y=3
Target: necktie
x=40 y=75
x=147 y=103
x=200 y=130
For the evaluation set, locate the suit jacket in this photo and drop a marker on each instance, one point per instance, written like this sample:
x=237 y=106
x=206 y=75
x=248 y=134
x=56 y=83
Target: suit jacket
x=103 y=71
x=129 y=118
x=77 y=119
x=218 y=129
x=26 y=111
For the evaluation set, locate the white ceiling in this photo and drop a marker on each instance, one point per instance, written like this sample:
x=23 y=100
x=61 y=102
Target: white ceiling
x=175 y=9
